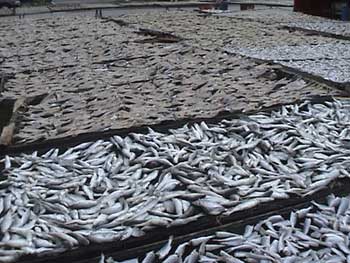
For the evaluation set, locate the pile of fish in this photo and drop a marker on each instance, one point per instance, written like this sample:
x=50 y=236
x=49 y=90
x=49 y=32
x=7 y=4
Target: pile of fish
x=112 y=190
x=60 y=41
x=261 y=28
x=272 y=16
x=339 y=28
x=328 y=61
x=80 y=83
x=69 y=41
x=340 y=50
x=335 y=70
x=122 y=95
x=318 y=233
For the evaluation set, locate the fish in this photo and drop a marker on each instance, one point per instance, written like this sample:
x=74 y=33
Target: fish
x=112 y=189
x=164 y=251
x=276 y=238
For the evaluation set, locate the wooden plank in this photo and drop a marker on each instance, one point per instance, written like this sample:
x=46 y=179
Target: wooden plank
x=9 y=130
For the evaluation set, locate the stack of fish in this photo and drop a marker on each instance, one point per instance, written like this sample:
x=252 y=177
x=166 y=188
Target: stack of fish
x=335 y=70
x=176 y=83
x=79 y=40
x=92 y=86
x=114 y=98
x=328 y=61
x=340 y=50
x=112 y=190
x=318 y=233
x=275 y=16
x=241 y=29
x=338 y=28
x=59 y=42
